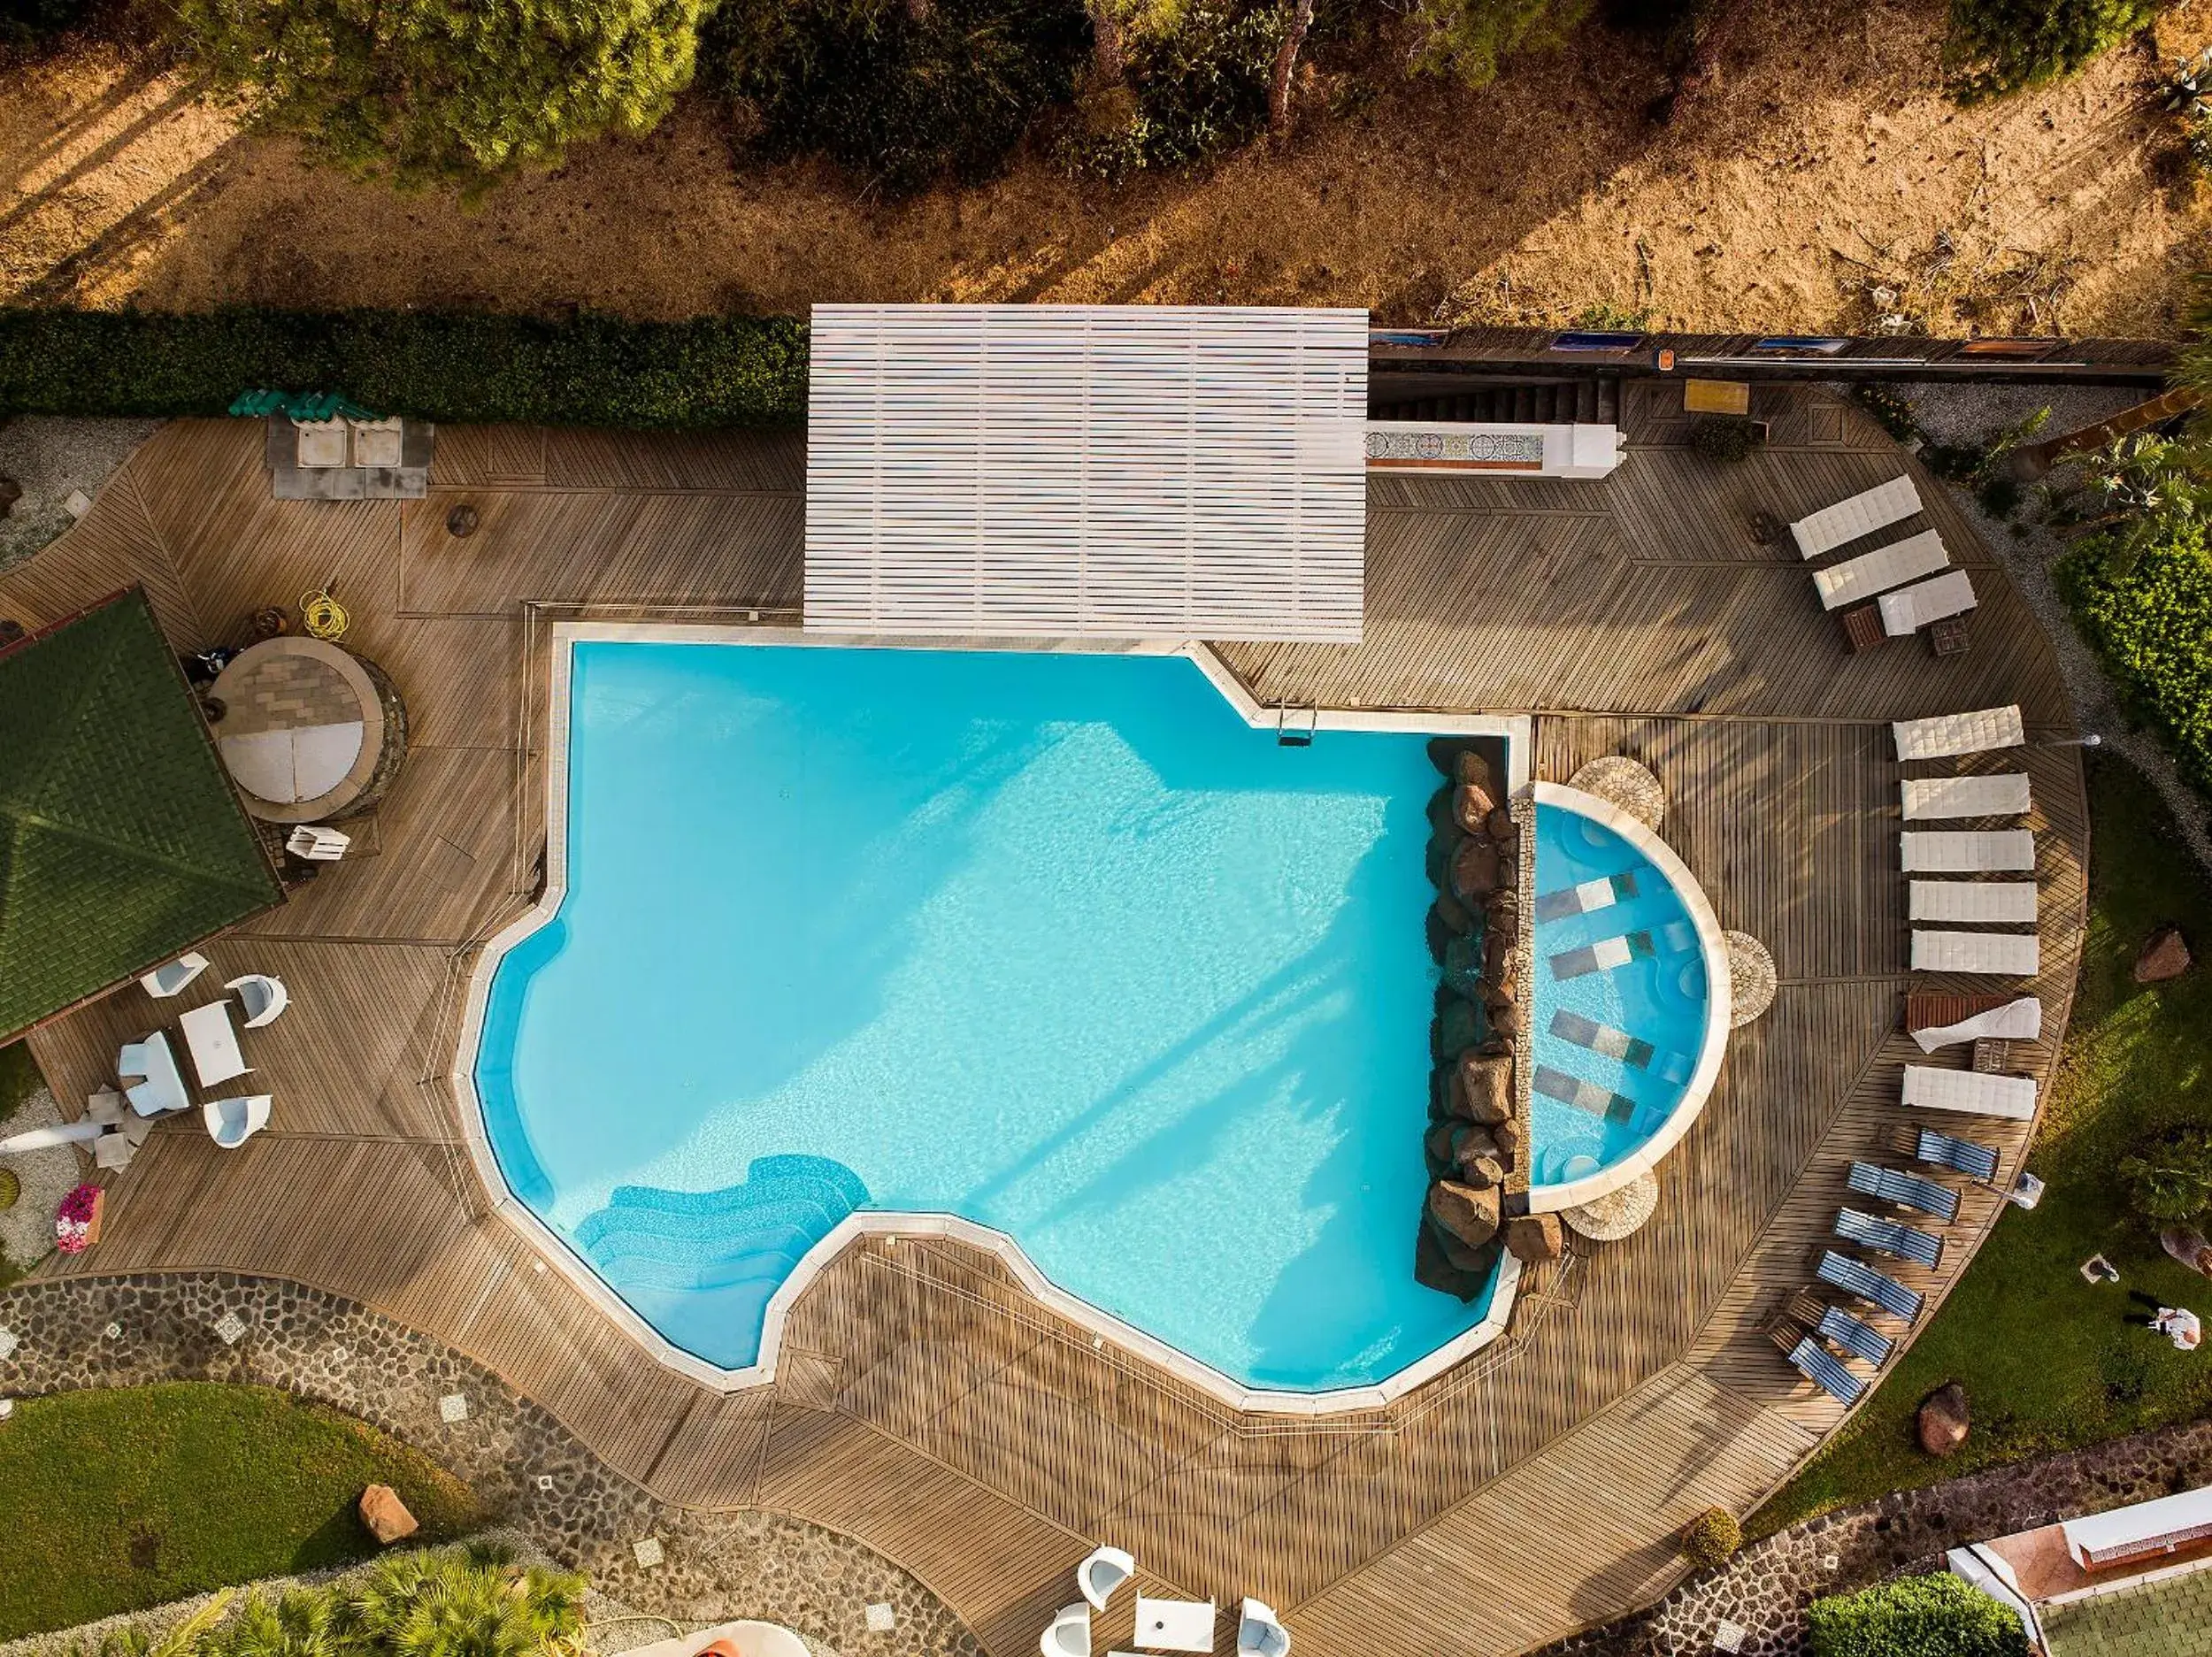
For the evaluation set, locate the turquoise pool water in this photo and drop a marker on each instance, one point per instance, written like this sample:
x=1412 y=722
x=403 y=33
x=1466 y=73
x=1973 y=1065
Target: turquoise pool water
x=1055 y=942
x=1621 y=999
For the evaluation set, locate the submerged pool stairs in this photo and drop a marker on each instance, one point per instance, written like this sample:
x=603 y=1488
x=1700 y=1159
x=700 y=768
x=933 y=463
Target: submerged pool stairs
x=719 y=1255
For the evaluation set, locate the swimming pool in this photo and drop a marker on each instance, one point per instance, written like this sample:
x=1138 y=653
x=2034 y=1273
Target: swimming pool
x=1057 y=943
x=1628 y=1021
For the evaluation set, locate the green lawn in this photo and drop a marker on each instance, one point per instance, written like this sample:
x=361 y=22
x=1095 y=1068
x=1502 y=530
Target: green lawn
x=111 y=1501
x=2047 y=1361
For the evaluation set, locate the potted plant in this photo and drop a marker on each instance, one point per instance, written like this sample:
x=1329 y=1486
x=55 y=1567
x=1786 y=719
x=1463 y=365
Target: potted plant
x=77 y=1222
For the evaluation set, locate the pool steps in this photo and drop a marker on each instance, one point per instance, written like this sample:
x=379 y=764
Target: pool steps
x=756 y=1231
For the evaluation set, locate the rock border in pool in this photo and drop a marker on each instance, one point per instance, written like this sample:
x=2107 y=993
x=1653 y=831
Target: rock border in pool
x=1475 y=1145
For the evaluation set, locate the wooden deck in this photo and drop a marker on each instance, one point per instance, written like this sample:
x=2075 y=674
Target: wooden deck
x=925 y=1403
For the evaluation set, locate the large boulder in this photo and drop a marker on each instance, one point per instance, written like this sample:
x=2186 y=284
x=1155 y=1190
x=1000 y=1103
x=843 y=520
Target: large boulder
x=1469 y=1215
x=1486 y=1088
x=1484 y=1173
x=386 y=1515
x=1473 y=806
x=1510 y=1145
x=2164 y=955
x=1466 y=961
x=1475 y=867
x=1463 y=1256
x=1534 y=1236
x=1435 y=1269
x=1458 y=1027
x=1457 y=920
x=1501 y=828
x=1942 y=1421
x=1497 y=953
x=1506 y=1020
x=1471 y=767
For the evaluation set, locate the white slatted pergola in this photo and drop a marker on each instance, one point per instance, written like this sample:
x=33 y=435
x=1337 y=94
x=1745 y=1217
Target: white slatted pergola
x=1132 y=471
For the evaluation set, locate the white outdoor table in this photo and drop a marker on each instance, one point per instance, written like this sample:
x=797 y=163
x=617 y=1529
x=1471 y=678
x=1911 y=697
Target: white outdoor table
x=1175 y=1624
x=212 y=1042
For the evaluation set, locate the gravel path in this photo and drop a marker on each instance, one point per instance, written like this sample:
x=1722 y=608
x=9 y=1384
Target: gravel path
x=50 y=457
x=27 y=1230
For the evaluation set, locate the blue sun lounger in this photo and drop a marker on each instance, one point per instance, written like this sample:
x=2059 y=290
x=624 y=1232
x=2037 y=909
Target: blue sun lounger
x=1824 y=1370
x=1854 y=1335
x=1907 y=1190
x=1876 y=1288
x=1868 y=1231
x=1976 y=1160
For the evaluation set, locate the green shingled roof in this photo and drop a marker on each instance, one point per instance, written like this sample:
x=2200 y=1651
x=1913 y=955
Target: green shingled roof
x=121 y=841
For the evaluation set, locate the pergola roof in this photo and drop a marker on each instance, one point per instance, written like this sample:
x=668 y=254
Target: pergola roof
x=122 y=842
x=1140 y=471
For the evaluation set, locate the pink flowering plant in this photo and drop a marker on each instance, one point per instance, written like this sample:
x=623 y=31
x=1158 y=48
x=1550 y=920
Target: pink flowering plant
x=72 y=1221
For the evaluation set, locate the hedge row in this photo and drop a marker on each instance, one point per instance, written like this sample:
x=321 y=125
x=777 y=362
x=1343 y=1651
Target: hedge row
x=2150 y=618
x=591 y=371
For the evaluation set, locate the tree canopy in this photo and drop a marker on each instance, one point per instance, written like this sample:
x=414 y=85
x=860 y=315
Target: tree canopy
x=447 y=89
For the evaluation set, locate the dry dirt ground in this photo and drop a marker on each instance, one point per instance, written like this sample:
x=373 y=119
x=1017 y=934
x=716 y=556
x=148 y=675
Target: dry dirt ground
x=1827 y=164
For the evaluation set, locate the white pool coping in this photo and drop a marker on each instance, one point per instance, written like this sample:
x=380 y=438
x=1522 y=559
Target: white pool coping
x=1106 y=1329
x=1720 y=1003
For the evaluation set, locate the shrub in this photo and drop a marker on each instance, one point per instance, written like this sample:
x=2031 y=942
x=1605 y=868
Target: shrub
x=1724 y=440
x=1916 y=1616
x=1892 y=410
x=594 y=371
x=25 y=24
x=1469 y=38
x=1199 y=89
x=1712 y=1539
x=422 y=90
x=2143 y=599
x=900 y=93
x=2000 y=46
x=2169 y=1176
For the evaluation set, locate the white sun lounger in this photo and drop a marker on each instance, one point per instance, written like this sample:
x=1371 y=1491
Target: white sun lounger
x=1965 y=796
x=1978 y=902
x=1950 y=594
x=2002 y=954
x=1862 y=514
x=1948 y=733
x=1966 y=851
x=1877 y=572
x=2019 y=1020
x=1928 y=1088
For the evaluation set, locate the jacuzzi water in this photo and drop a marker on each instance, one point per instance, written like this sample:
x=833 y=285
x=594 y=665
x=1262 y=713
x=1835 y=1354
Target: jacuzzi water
x=1054 y=942
x=1614 y=1045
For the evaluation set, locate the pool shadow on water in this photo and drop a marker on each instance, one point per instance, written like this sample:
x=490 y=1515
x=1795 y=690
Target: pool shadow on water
x=1369 y=1187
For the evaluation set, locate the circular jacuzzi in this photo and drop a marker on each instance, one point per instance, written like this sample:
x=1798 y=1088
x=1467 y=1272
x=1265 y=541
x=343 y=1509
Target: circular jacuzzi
x=1631 y=1000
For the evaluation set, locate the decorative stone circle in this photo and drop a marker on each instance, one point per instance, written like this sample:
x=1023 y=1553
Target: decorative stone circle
x=1608 y=1218
x=1621 y=781
x=1750 y=976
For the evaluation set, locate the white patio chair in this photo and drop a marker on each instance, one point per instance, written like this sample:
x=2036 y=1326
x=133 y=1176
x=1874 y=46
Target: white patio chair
x=232 y=1122
x=316 y=844
x=172 y=977
x=1981 y=902
x=1965 y=796
x=1966 y=851
x=1878 y=508
x=1932 y=1087
x=260 y=997
x=1105 y=1571
x=1950 y=733
x=1069 y=1633
x=1999 y=954
x=1910 y=609
x=1260 y=1632
x=2020 y=1019
x=1877 y=572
